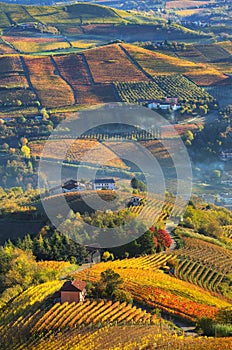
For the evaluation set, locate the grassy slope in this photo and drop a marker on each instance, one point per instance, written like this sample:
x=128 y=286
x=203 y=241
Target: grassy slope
x=76 y=14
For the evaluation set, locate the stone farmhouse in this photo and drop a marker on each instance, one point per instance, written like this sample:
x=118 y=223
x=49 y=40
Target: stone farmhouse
x=71 y=291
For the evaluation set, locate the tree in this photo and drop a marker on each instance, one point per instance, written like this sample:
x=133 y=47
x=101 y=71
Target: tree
x=138 y=184
x=5 y=146
x=122 y=296
x=189 y=135
x=112 y=281
x=24 y=141
x=26 y=151
x=142 y=186
x=134 y=183
x=107 y=255
x=164 y=239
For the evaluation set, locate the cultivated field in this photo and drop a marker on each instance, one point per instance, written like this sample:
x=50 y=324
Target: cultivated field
x=160 y=290
x=84 y=151
x=159 y=63
x=104 y=74
x=36 y=44
x=51 y=89
x=162 y=86
x=205 y=264
x=109 y=63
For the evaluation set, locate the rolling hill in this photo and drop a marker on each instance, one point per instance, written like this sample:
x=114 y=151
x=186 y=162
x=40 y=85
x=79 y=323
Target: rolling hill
x=88 y=78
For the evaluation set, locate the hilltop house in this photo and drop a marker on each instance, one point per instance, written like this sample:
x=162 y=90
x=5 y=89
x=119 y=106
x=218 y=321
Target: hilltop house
x=103 y=184
x=68 y=186
x=71 y=291
x=72 y=186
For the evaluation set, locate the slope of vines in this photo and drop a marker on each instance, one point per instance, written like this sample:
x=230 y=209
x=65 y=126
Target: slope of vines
x=205 y=264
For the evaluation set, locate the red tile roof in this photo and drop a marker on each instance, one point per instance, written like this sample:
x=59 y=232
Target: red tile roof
x=73 y=286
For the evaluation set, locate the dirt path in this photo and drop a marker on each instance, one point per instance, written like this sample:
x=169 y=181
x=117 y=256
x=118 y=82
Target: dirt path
x=27 y=75
x=88 y=69
x=170 y=227
x=135 y=63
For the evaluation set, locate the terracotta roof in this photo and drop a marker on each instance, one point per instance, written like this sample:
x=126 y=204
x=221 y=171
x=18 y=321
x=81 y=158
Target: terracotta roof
x=73 y=286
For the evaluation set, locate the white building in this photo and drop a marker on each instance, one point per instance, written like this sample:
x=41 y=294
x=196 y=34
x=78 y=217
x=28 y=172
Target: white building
x=163 y=105
x=103 y=184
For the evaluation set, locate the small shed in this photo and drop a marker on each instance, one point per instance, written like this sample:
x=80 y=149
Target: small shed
x=71 y=291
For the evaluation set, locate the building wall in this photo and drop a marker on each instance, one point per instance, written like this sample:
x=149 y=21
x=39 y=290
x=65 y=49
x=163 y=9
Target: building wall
x=109 y=186
x=72 y=296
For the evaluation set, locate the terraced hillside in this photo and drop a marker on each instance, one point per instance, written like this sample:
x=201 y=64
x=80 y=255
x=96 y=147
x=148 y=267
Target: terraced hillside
x=157 y=289
x=32 y=321
x=88 y=78
x=205 y=264
x=159 y=63
x=79 y=151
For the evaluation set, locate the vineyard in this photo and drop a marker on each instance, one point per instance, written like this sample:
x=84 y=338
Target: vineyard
x=76 y=201
x=159 y=290
x=52 y=90
x=14 y=89
x=100 y=75
x=213 y=53
x=72 y=67
x=150 y=262
x=79 y=150
x=158 y=63
x=129 y=337
x=134 y=92
x=184 y=3
x=69 y=315
x=32 y=313
x=205 y=264
x=228 y=231
x=36 y=45
x=163 y=85
x=160 y=209
x=32 y=322
x=226 y=45
x=109 y=64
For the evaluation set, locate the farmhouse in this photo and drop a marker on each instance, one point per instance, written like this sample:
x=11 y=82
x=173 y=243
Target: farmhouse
x=135 y=201
x=103 y=184
x=71 y=291
x=72 y=186
x=68 y=186
x=163 y=105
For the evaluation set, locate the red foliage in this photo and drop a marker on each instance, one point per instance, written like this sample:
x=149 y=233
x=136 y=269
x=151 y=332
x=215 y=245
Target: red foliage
x=164 y=238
